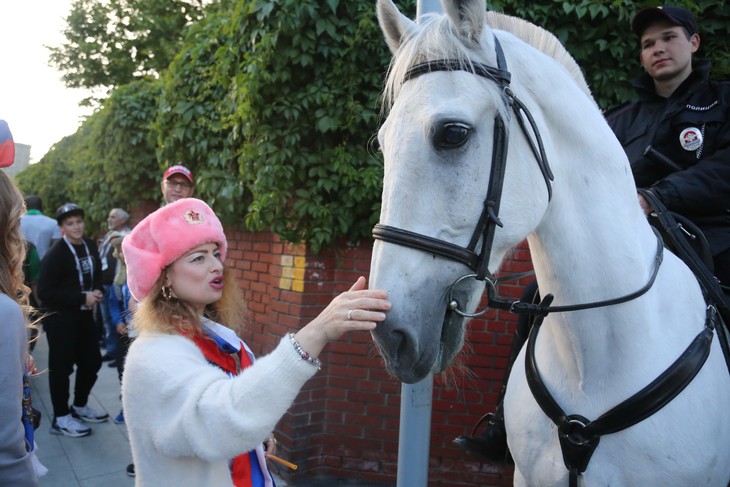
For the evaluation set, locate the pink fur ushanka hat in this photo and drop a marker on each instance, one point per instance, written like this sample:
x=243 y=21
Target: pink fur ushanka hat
x=165 y=236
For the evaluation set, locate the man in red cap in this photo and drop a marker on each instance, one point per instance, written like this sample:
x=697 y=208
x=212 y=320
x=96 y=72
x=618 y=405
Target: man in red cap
x=677 y=132
x=177 y=183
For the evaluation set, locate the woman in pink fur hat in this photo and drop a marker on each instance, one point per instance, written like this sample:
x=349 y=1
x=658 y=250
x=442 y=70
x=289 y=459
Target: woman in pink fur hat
x=199 y=411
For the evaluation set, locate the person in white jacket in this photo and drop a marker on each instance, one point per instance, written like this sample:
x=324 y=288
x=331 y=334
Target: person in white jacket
x=198 y=409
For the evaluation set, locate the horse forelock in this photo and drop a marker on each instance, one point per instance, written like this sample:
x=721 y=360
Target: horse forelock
x=437 y=38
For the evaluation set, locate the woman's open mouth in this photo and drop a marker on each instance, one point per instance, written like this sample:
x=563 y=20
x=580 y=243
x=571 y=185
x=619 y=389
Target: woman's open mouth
x=217 y=283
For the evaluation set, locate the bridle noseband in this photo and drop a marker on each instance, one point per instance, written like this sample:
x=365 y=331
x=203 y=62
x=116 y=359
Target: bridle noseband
x=477 y=261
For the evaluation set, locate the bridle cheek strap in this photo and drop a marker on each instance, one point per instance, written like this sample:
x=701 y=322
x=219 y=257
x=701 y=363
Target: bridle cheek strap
x=489 y=219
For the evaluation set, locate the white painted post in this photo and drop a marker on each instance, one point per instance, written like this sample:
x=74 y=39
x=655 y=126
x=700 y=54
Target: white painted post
x=414 y=436
x=426 y=6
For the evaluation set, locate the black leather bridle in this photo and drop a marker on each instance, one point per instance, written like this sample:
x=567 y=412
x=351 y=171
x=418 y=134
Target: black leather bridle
x=477 y=261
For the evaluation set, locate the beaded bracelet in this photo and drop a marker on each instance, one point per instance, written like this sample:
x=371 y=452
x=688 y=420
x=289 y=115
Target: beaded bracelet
x=303 y=354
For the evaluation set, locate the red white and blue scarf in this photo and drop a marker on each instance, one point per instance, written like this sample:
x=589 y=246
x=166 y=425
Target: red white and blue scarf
x=223 y=349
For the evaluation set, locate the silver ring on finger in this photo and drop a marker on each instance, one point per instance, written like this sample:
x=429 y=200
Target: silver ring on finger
x=349 y=315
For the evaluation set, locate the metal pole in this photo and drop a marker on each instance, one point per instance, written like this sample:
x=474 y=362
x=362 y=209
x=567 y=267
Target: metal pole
x=427 y=6
x=414 y=436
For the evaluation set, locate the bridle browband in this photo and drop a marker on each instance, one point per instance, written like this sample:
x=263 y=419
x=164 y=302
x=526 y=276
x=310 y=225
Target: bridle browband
x=489 y=219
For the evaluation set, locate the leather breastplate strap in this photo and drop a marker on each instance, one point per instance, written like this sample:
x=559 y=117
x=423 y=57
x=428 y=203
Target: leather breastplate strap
x=580 y=436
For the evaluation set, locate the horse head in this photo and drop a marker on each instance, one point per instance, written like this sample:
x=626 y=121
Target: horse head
x=451 y=113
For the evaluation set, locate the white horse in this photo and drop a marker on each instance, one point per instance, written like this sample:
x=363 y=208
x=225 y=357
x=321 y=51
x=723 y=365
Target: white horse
x=589 y=241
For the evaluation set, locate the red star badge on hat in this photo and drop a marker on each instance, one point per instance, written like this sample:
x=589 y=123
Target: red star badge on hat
x=193 y=217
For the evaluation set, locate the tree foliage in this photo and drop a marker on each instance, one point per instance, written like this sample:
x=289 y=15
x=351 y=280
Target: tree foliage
x=111 y=43
x=306 y=96
x=283 y=96
x=274 y=103
x=196 y=117
x=598 y=35
x=49 y=177
x=109 y=162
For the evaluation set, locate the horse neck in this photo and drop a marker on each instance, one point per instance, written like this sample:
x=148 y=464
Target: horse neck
x=594 y=244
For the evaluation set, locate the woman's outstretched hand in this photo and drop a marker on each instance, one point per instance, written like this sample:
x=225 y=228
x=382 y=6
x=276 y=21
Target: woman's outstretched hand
x=359 y=309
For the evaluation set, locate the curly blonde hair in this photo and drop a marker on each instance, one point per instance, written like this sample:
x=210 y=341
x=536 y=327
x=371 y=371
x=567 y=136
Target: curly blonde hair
x=156 y=313
x=12 y=245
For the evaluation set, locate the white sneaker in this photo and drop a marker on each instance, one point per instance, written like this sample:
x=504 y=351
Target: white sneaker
x=69 y=426
x=88 y=415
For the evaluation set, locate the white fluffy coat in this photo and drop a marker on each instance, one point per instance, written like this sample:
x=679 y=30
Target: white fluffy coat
x=186 y=419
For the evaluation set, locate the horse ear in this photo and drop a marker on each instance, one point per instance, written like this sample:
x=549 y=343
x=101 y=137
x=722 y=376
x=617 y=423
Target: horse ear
x=394 y=24
x=469 y=17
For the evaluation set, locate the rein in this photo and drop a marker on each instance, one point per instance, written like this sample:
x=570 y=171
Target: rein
x=542 y=309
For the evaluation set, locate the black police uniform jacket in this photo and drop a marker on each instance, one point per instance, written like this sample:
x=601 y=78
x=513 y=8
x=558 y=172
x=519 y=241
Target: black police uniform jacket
x=692 y=128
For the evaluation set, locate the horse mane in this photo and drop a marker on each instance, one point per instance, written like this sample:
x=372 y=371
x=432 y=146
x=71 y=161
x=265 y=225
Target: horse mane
x=442 y=41
x=542 y=40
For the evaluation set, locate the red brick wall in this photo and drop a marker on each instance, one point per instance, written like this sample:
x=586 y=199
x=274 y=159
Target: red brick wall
x=345 y=422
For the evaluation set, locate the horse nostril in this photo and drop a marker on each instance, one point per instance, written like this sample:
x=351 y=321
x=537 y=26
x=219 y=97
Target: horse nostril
x=399 y=342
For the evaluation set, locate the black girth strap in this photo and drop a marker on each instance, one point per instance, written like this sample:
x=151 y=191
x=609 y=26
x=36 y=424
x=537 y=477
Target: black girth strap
x=579 y=436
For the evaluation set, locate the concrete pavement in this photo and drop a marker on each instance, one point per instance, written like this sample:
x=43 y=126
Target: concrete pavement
x=99 y=459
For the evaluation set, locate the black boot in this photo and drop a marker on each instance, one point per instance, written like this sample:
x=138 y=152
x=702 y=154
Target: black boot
x=490 y=445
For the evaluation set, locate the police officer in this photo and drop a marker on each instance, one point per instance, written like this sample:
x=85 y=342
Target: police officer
x=683 y=118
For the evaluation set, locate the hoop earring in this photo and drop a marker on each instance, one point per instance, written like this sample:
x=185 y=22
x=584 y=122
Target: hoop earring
x=167 y=292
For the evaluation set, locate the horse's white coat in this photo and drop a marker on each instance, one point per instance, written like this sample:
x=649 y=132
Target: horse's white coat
x=590 y=243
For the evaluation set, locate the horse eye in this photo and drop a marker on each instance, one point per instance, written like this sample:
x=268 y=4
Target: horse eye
x=451 y=135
